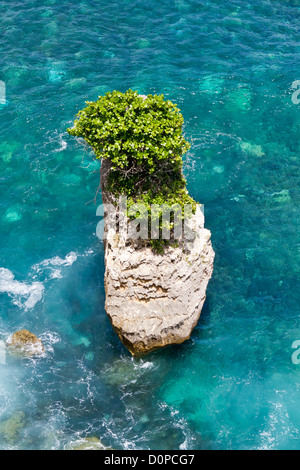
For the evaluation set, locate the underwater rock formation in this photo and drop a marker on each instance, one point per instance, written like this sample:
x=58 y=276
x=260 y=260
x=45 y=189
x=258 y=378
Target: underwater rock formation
x=154 y=300
x=89 y=443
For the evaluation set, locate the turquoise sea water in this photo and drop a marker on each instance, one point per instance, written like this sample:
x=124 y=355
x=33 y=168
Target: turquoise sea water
x=230 y=67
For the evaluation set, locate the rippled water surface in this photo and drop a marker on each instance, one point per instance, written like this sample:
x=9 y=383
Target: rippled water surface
x=230 y=67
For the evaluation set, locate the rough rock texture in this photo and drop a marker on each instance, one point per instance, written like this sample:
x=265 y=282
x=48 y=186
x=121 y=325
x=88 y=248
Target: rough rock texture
x=155 y=300
x=27 y=342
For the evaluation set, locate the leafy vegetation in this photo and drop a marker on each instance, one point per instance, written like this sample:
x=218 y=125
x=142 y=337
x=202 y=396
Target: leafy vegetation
x=142 y=138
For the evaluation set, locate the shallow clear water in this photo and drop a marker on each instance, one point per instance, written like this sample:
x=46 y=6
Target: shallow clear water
x=230 y=66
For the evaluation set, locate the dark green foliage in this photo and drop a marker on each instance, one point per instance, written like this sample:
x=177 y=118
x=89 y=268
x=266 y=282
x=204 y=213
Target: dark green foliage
x=142 y=137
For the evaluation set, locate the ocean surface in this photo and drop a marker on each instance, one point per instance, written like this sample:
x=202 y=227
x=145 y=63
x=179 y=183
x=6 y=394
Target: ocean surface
x=230 y=67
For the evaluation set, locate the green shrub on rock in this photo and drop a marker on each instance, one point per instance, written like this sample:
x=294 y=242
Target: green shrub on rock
x=142 y=138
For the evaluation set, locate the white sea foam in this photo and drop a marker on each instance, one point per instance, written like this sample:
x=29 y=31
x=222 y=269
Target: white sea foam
x=144 y=365
x=54 y=263
x=57 y=261
x=23 y=294
x=63 y=145
x=55 y=274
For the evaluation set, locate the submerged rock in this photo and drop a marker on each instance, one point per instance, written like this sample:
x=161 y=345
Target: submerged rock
x=239 y=100
x=119 y=373
x=10 y=428
x=282 y=196
x=26 y=342
x=154 y=300
x=2 y=352
x=211 y=85
x=13 y=214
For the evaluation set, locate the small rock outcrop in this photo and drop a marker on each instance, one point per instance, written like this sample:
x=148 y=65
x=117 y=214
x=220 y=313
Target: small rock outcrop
x=24 y=341
x=154 y=300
